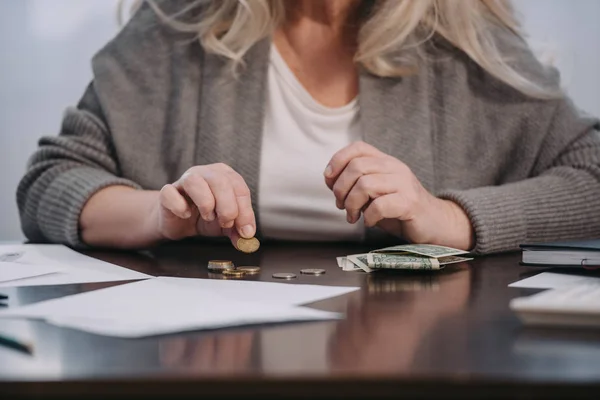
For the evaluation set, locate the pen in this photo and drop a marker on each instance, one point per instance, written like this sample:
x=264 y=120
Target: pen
x=16 y=344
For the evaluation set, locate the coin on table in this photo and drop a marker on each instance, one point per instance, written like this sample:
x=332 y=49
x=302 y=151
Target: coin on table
x=249 y=269
x=248 y=245
x=313 y=271
x=233 y=273
x=220 y=265
x=284 y=275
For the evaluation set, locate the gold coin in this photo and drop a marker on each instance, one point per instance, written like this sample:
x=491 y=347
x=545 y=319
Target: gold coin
x=220 y=265
x=248 y=245
x=249 y=270
x=233 y=273
x=220 y=262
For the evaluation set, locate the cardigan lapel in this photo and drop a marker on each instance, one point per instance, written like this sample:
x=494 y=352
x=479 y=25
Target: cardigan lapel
x=231 y=114
x=395 y=118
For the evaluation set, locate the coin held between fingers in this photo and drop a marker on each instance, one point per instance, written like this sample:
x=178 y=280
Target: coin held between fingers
x=247 y=245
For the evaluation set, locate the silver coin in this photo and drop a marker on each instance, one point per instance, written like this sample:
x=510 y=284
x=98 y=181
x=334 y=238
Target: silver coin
x=284 y=275
x=313 y=271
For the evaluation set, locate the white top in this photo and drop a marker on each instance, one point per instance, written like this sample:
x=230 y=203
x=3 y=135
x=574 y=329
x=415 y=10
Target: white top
x=300 y=136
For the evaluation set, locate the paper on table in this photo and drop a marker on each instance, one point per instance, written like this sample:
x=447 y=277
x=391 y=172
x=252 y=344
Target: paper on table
x=265 y=292
x=11 y=271
x=156 y=306
x=75 y=267
x=551 y=280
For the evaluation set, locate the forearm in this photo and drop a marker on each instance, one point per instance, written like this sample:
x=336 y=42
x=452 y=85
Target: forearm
x=454 y=227
x=121 y=217
x=561 y=205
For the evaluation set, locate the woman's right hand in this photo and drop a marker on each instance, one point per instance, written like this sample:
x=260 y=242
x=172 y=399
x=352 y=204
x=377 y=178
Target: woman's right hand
x=208 y=200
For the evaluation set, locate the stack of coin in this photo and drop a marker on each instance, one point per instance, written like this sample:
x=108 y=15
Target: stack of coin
x=249 y=270
x=227 y=269
x=220 y=265
x=233 y=273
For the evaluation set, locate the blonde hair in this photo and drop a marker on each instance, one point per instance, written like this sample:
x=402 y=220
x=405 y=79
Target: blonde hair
x=391 y=36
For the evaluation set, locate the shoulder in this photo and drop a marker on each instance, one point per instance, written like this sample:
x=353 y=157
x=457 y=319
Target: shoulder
x=139 y=60
x=148 y=35
x=458 y=69
x=149 y=68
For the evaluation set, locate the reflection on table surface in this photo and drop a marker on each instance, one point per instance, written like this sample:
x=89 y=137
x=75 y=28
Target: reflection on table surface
x=453 y=323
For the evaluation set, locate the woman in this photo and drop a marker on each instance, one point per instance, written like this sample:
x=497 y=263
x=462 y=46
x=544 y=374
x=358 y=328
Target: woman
x=427 y=120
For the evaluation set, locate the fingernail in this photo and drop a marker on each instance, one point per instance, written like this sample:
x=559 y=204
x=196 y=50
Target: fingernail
x=247 y=231
x=210 y=216
x=187 y=214
x=328 y=171
x=348 y=217
x=227 y=224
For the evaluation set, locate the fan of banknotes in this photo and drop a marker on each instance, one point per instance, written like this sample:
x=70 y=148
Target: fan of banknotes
x=406 y=256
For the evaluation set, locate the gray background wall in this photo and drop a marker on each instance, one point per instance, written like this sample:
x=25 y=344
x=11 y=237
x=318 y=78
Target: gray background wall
x=46 y=45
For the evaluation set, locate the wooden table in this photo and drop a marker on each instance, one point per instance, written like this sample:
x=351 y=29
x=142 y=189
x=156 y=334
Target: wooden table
x=448 y=334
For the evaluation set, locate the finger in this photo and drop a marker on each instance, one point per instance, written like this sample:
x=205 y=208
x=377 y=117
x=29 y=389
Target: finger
x=172 y=351
x=340 y=159
x=245 y=222
x=227 y=352
x=225 y=201
x=356 y=168
x=233 y=235
x=367 y=188
x=244 y=348
x=388 y=206
x=198 y=190
x=204 y=356
x=172 y=200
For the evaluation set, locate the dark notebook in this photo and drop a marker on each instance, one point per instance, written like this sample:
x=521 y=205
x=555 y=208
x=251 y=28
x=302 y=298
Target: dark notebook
x=580 y=253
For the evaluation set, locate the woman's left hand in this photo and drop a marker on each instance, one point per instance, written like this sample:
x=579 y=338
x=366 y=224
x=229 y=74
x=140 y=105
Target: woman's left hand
x=384 y=189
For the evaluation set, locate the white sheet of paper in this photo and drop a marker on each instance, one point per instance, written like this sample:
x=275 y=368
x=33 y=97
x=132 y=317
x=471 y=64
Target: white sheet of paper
x=551 y=280
x=75 y=267
x=263 y=292
x=155 y=306
x=11 y=271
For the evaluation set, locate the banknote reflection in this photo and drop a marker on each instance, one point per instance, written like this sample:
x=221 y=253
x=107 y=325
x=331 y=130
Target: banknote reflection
x=385 y=328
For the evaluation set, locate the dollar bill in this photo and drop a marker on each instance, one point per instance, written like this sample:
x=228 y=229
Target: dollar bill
x=360 y=260
x=393 y=261
x=452 y=260
x=428 y=250
x=394 y=258
x=346 y=265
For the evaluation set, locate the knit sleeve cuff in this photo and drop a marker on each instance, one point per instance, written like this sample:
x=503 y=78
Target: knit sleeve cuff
x=61 y=205
x=497 y=217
